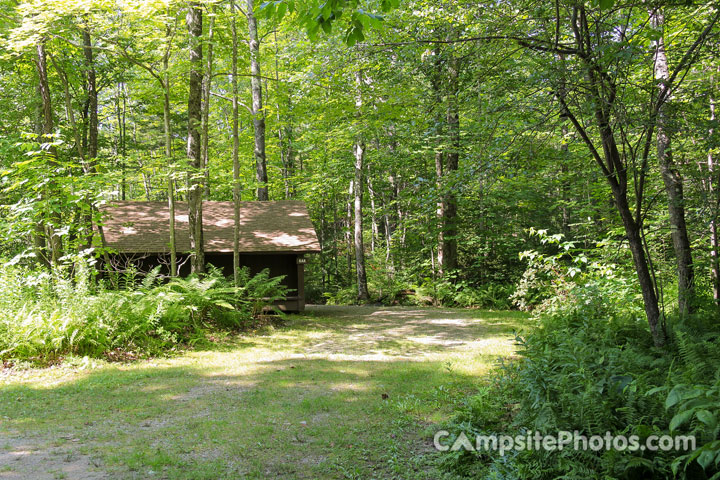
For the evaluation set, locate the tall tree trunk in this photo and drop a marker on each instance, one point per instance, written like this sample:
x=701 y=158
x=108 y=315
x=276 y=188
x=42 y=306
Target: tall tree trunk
x=92 y=98
x=642 y=268
x=358 y=184
x=195 y=193
x=565 y=184
x=713 y=188
x=336 y=235
x=206 y=84
x=321 y=241
x=46 y=130
x=284 y=131
x=373 y=213
x=120 y=107
x=672 y=179
x=258 y=113
x=437 y=86
x=165 y=83
x=235 y=151
x=440 y=209
x=39 y=235
x=80 y=144
x=359 y=151
x=388 y=238
x=446 y=86
x=349 y=229
x=633 y=230
x=388 y=210
x=171 y=214
x=89 y=164
x=452 y=160
x=601 y=94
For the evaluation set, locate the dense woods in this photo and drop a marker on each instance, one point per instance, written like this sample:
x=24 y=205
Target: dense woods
x=556 y=157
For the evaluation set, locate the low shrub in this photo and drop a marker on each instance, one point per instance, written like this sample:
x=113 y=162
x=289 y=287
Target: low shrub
x=447 y=292
x=452 y=292
x=591 y=367
x=47 y=315
x=342 y=296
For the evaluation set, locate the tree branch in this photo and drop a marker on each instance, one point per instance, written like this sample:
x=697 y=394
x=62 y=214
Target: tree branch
x=230 y=100
x=584 y=135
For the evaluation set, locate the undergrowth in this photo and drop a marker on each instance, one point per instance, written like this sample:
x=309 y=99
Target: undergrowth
x=591 y=368
x=448 y=291
x=47 y=315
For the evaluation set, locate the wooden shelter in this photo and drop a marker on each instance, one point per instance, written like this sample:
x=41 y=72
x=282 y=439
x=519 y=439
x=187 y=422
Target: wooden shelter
x=273 y=235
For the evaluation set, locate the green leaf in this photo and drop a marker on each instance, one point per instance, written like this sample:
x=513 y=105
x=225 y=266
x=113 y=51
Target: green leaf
x=354 y=35
x=706 y=417
x=281 y=10
x=268 y=9
x=312 y=30
x=675 y=395
x=680 y=419
x=655 y=390
x=675 y=466
x=327 y=10
x=706 y=458
x=606 y=4
x=326 y=26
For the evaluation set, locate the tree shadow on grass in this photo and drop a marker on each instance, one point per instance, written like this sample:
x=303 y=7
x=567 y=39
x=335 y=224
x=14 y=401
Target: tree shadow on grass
x=221 y=425
x=402 y=331
x=307 y=401
x=372 y=331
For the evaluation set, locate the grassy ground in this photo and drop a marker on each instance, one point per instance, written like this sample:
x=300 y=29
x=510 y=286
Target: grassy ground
x=340 y=392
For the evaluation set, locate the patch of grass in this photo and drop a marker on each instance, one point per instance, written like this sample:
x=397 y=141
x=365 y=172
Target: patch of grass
x=340 y=392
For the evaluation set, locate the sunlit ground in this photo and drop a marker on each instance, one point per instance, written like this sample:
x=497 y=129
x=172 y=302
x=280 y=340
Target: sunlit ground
x=340 y=392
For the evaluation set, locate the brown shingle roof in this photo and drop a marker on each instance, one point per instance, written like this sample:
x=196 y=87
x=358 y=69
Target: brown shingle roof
x=144 y=227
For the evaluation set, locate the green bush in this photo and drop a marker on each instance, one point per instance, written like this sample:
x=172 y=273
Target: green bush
x=450 y=291
x=591 y=367
x=45 y=316
x=446 y=291
x=342 y=296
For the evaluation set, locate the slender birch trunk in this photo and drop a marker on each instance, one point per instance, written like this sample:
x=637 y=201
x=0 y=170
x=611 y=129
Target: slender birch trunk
x=452 y=158
x=92 y=98
x=45 y=234
x=447 y=156
x=373 y=213
x=235 y=151
x=713 y=188
x=195 y=220
x=349 y=229
x=672 y=179
x=206 y=84
x=358 y=184
x=258 y=113
x=165 y=83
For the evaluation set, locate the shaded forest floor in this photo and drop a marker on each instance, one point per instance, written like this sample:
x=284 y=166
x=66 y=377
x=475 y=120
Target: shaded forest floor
x=339 y=392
